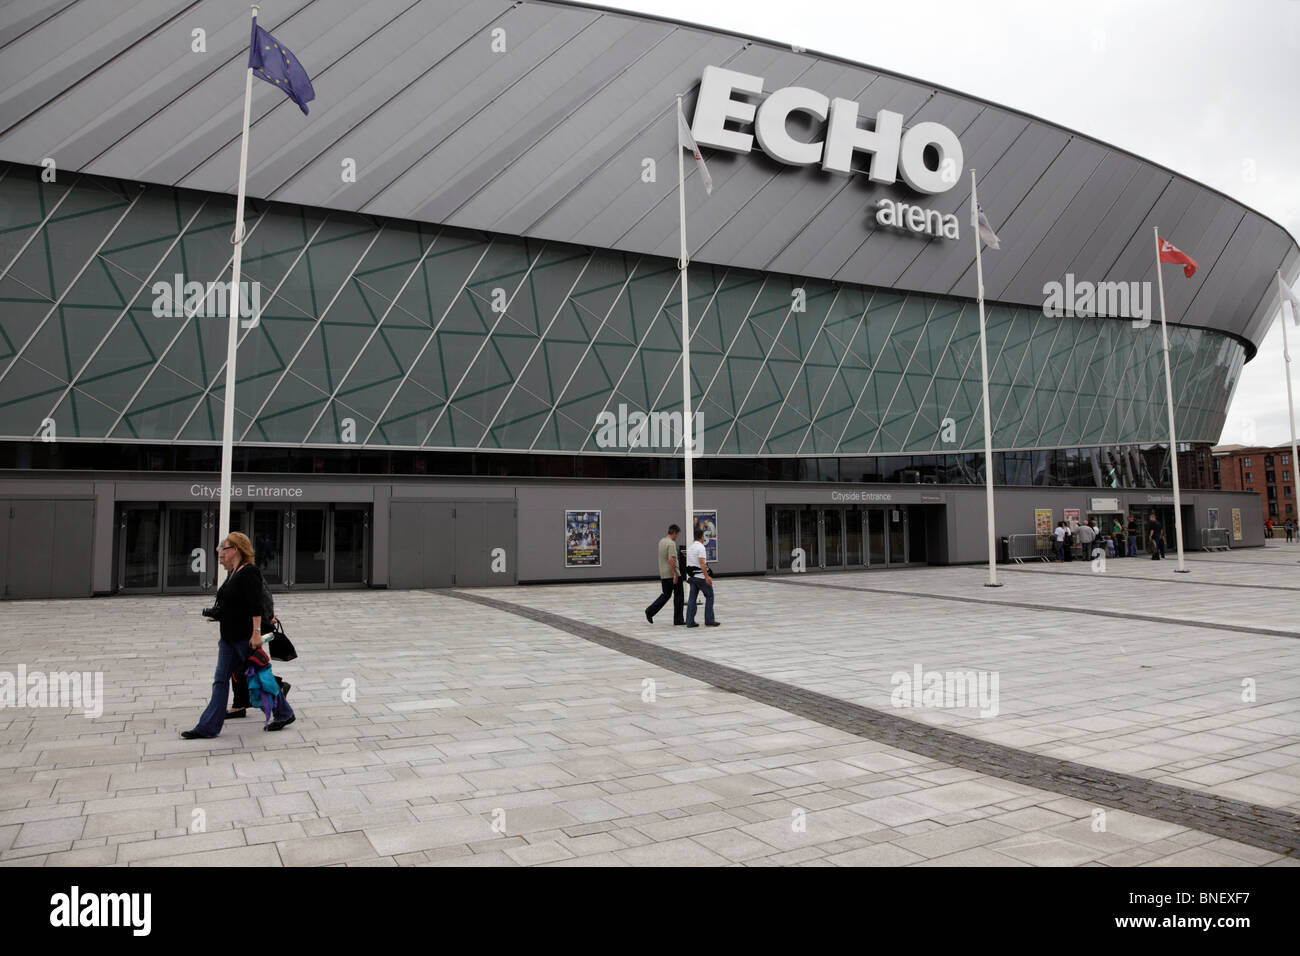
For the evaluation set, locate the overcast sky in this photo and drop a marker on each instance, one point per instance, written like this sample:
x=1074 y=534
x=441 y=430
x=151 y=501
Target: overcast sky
x=1205 y=87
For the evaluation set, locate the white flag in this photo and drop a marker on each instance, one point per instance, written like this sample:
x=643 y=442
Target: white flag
x=1289 y=295
x=688 y=141
x=981 y=222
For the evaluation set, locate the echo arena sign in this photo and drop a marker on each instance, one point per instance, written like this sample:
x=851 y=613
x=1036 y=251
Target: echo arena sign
x=893 y=151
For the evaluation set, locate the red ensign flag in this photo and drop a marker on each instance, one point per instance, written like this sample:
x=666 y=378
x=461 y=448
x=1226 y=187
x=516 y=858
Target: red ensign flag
x=1171 y=253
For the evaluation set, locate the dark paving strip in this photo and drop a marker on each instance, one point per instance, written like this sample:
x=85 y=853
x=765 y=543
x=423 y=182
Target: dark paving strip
x=1178 y=580
x=965 y=599
x=1254 y=825
x=1240 y=564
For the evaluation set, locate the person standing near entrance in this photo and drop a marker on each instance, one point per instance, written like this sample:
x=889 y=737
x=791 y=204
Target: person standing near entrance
x=1117 y=532
x=1289 y=529
x=1059 y=535
x=697 y=567
x=670 y=579
x=1132 y=537
x=1154 y=534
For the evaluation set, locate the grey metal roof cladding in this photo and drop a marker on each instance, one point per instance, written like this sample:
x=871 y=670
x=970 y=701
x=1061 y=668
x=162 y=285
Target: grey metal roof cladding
x=547 y=140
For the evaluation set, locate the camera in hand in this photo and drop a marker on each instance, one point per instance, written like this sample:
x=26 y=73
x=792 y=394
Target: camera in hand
x=213 y=613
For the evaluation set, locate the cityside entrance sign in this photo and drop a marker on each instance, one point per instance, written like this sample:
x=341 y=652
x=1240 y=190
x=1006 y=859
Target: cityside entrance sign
x=893 y=151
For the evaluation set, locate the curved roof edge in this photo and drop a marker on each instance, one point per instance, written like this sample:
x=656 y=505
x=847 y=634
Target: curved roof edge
x=921 y=80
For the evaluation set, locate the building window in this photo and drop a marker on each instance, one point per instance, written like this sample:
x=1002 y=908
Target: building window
x=1290 y=509
x=1246 y=462
x=1272 y=510
x=1270 y=476
x=1286 y=459
x=1268 y=461
x=1272 y=492
x=1286 y=476
x=1249 y=478
x=1286 y=491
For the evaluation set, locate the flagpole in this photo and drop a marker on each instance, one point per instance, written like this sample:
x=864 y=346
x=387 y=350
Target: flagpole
x=682 y=263
x=232 y=334
x=1169 y=396
x=1286 y=366
x=984 y=382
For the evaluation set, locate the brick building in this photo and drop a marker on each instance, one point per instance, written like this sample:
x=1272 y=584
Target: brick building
x=1267 y=471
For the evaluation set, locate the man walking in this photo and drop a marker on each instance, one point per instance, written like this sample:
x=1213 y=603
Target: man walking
x=1154 y=532
x=697 y=567
x=670 y=578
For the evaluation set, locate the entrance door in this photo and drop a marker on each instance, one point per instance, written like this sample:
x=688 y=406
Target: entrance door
x=310 y=548
x=188 y=559
x=140 y=548
x=876 y=541
x=833 y=537
x=810 y=537
x=897 y=535
x=855 y=555
x=348 y=550
x=784 y=522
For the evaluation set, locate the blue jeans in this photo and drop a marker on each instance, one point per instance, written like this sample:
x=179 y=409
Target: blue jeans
x=1132 y=546
x=229 y=657
x=698 y=584
x=1060 y=551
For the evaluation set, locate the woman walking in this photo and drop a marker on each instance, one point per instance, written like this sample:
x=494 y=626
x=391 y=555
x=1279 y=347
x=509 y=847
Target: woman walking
x=239 y=614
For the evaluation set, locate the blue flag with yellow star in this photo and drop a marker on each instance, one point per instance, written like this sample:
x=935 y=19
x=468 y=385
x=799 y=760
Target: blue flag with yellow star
x=274 y=62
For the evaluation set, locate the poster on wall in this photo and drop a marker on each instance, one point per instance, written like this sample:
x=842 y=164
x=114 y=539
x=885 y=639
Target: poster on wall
x=1236 y=524
x=582 y=539
x=1043 y=526
x=1214 y=518
x=1072 y=517
x=708 y=520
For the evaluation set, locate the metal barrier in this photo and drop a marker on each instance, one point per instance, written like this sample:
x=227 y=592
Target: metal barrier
x=1028 y=547
x=1215 y=539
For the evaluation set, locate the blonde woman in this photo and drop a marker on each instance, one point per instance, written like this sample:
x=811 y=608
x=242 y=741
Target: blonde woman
x=239 y=604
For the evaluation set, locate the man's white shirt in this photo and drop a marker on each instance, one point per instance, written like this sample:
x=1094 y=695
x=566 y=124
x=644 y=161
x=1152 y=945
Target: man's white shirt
x=695 y=553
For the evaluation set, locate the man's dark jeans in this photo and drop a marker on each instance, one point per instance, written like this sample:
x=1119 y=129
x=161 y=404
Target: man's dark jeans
x=698 y=585
x=669 y=590
x=230 y=655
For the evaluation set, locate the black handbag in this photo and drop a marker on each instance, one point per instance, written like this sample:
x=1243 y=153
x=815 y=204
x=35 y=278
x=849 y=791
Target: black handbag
x=281 y=648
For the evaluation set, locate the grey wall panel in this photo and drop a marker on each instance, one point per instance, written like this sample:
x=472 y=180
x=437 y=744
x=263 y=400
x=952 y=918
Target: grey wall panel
x=31 y=548
x=74 y=528
x=546 y=141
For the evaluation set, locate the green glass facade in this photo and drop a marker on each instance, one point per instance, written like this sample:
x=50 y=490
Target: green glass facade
x=392 y=334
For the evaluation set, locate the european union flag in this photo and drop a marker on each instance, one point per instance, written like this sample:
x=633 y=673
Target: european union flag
x=272 y=61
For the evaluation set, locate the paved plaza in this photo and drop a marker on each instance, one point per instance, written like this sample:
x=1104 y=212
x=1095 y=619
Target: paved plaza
x=1124 y=718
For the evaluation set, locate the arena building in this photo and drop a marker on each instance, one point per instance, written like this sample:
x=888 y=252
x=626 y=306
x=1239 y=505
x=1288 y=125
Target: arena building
x=462 y=365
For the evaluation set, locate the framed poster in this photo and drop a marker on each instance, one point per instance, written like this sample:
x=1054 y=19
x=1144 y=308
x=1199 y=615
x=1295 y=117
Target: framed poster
x=708 y=520
x=1043 y=526
x=1072 y=517
x=582 y=539
x=1214 y=518
x=1236 y=524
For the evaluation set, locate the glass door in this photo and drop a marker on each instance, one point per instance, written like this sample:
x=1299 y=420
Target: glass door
x=876 y=537
x=832 y=535
x=309 y=547
x=140 y=548
x=897 y=536
x=783 y=538
x=348 y=550
x=854 y=556
x=268 y=529
x=809 y=537
x=189 y=559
